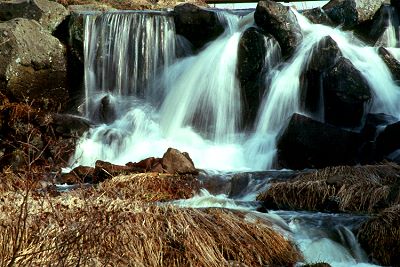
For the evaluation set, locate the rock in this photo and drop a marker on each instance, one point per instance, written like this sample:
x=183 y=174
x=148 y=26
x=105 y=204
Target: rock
x=48 y=13
x=105 y=170
x=349 y=13
x=388 y=140
x=196 y=24
x=69 y=125
x=32 y=65
x=280 y=22
x=173 y=161
x=380 y=23
x=346 y=95
x=391 y=62
x=374 y=123
x=317 y=16
x=239 y=183
x=148 y=165
x=380 y=236
x=324 y=56
x=258 y=53
x=306 y=143
x=80 y=174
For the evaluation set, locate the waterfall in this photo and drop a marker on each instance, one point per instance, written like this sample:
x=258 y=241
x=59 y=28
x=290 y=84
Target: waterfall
x=192 y=104
x=282 y=99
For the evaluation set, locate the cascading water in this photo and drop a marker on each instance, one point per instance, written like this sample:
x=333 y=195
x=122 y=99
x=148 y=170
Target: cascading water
x=146 y=100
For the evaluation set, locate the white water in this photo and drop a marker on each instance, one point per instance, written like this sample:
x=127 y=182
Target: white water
x=391 y=33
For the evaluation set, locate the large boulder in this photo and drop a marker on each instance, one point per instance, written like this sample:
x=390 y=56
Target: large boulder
x=349 y=13
x=307 y=143
x=33 y=66
x=258 y=52
x=391 y=62
x=48 y=13
x=196 y=24
x=281 y=22
x=324 y=56
x=346 y=95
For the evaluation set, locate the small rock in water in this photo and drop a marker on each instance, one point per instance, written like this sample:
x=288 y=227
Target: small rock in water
x=175 y=161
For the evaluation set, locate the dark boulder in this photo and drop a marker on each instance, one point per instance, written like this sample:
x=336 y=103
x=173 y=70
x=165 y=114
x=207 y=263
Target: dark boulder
x=388 y=140
x=349 y=13
x=196 y=24
x=174 y=161
x=324 y=56
x=346 y=95
x=33 y=66
x=258 y=52
x=317 y=16
x=391 y=62
x=48 y=13
x=279 y=21
x=306 y=143
x=80 y=174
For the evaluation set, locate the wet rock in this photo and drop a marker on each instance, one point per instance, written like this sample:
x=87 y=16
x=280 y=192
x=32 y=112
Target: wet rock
x=346 y=95
x=349 y=13
x=105 y=170
x=239 y=183
x=380 y=23
x=48 y=13
x=280 y=22
x=306 y=143
x=391 y=62
x=317 y=16
x=258 y=52
x=196 y=24
x=69 y=125
x=148 y=165
x=174 y=161
x=380 y=237
x=324 y=56
x=374 y=123
x=388 y=140
x=32 y=65
x=80 y=174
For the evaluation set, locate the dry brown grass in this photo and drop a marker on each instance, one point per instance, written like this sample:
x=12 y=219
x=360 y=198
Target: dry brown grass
x=349 y=189
x=111 y=225
x=380 y=236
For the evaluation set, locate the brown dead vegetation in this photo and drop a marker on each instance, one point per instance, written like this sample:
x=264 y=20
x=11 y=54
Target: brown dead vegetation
x=380 y=236
x=107 y=228
x=368 y=189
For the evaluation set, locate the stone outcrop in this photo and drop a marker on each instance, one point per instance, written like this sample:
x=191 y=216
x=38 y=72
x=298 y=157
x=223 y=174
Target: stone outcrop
x=196 y=24
x=48 y=13
x=33 y=66
x=306 y=143
x=280 y=22
x=349 y=13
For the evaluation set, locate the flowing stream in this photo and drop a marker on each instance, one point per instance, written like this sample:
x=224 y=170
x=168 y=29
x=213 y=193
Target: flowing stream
x=145 y=97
